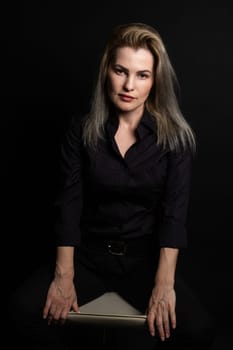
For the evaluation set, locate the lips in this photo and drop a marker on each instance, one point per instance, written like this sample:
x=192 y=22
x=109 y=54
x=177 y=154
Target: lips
x=126 y=98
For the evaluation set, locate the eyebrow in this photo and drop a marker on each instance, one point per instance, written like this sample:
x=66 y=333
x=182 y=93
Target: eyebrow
x=126 y=70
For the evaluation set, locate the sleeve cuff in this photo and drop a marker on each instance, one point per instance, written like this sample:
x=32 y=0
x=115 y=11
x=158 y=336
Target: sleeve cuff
x=173 y=236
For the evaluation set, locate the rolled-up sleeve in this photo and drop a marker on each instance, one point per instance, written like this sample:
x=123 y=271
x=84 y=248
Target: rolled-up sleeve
x=172 y=232
x=68 y=203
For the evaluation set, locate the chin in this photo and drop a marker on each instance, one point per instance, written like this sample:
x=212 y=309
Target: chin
x=124 y=107
x=125 y=110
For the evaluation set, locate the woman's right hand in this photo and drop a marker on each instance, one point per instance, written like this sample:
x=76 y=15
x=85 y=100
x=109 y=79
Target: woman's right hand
x=61 y=298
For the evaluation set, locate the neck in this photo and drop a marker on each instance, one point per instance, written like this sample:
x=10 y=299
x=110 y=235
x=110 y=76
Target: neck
x=130 y=119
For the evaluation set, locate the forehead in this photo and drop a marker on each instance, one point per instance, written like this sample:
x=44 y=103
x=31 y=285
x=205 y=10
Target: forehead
x=140 y=58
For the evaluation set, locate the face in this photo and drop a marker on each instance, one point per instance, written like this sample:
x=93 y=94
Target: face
x=130 y=79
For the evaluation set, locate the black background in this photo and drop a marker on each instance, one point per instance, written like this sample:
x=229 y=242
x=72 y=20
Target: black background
x=50 y=54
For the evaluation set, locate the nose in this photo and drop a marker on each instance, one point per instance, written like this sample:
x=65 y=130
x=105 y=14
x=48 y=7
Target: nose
x=129 y=83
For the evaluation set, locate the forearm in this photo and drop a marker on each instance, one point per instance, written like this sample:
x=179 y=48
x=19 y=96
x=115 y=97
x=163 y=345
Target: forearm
x=65 y=262
x=163 y=298
x=62 y=291
x=165 y=274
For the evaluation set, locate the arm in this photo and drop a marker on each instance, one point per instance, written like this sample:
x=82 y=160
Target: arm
x=162 y=301
x=172 y=237
x=68 y=203
x=61 y=295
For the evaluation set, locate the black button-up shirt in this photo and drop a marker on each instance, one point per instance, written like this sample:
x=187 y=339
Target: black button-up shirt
x=105 y=194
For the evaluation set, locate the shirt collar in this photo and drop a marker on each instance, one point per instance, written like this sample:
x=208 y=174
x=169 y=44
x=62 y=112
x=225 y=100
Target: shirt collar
x=147 y=125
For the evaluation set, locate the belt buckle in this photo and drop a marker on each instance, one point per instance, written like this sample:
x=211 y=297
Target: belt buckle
x=117 y=247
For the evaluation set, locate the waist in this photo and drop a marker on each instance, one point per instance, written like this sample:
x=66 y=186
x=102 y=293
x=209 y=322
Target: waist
x=119 y=246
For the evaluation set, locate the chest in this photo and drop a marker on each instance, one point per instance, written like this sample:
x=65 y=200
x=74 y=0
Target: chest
x=144 y=167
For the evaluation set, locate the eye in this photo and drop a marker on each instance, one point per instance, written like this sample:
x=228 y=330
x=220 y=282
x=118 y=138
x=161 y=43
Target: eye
x=143 y=75
x=119 y=71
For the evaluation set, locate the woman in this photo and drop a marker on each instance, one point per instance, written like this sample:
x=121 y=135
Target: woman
x=121 y=212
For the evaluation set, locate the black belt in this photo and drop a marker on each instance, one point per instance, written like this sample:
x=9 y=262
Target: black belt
x=121 y=246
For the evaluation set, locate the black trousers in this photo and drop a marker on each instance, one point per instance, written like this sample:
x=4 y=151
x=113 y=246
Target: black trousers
x=97 y=271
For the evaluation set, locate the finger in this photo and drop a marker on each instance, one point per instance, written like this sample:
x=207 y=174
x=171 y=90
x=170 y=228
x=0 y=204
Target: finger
x=173 y=318
x=51 y=313
x=57 y=314
x=165 y=318
x=75 y=306
x=64 y=314
x=66 y=311
x=46 y=308
x=53 y=309
x=159 y=323
x=151 y=322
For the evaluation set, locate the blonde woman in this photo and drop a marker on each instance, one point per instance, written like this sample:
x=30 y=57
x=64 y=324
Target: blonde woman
x=126 y=168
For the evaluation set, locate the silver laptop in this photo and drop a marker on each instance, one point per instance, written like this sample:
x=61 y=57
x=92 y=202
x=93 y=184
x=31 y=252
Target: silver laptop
x=110 y=309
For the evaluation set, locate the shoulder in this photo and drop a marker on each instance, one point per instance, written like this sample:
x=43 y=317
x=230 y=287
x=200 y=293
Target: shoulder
x=181 y=156
x=75 y=124
x=73 y=130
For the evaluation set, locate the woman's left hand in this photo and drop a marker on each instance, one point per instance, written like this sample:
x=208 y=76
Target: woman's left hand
x=161 y=311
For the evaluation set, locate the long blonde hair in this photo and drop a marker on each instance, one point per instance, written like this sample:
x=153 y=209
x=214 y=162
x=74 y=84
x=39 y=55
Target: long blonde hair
x=173 y=131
